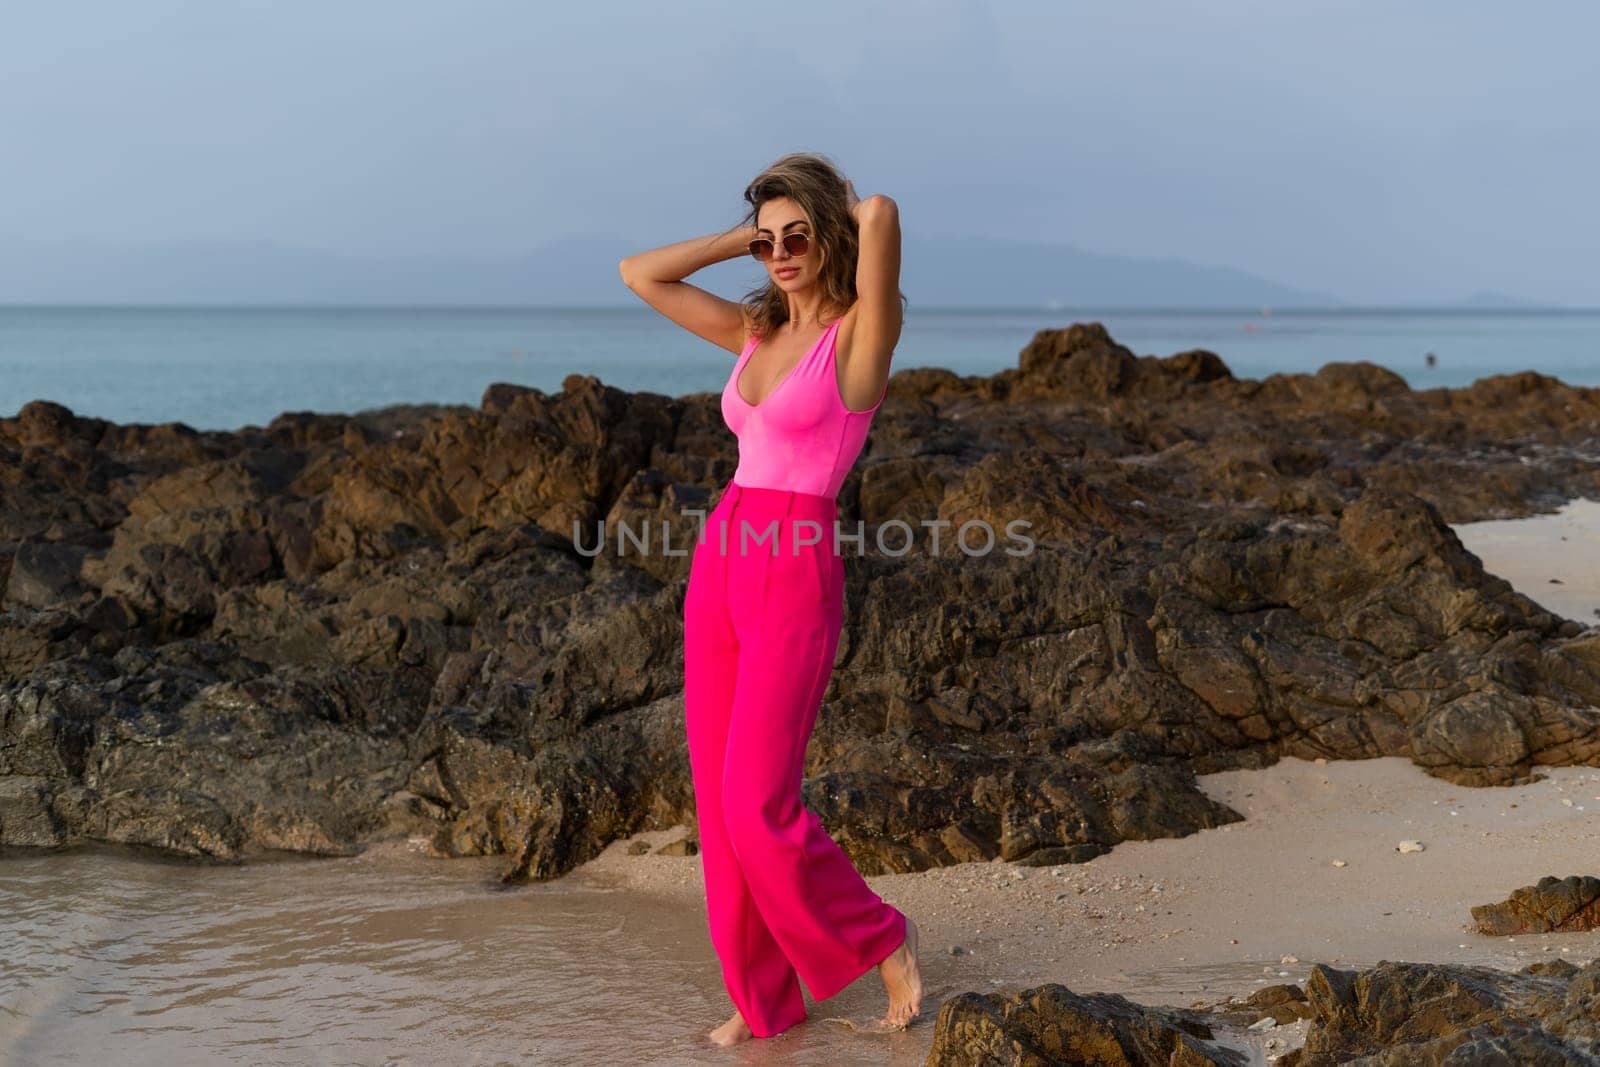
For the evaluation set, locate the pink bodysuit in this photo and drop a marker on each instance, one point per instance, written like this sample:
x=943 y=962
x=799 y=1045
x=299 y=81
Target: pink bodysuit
x=801 y=437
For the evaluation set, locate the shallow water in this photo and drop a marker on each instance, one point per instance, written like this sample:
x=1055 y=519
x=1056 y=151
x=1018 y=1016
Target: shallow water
x=383 y=958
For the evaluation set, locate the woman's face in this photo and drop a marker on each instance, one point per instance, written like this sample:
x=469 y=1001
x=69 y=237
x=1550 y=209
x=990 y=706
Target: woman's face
x=776 y=218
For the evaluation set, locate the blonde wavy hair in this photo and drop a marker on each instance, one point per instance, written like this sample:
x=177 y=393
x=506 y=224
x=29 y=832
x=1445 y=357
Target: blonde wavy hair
x=812 y=181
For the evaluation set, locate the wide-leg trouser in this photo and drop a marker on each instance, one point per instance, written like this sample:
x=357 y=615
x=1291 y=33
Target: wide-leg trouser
x=762 y=617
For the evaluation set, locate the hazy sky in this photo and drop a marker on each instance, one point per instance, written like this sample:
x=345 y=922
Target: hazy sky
x=1380 y=151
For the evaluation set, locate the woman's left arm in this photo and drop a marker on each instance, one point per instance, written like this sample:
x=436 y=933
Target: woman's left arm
x=878 y=311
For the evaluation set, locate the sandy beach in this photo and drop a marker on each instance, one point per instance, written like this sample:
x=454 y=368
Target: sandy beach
x=1224 y=911
x=1312 y=875
x=1553 y=559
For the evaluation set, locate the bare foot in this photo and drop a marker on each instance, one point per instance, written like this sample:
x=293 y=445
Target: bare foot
x=903 y=981
x=732 y=1032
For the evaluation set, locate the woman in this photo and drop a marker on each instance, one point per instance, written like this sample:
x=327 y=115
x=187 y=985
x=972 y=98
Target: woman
x=764 y=605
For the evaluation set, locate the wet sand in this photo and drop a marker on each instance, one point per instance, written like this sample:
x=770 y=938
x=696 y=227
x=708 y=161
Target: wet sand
x=395 y=957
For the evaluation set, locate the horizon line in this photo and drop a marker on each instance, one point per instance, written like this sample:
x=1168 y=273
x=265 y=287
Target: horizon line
x=1257 y=310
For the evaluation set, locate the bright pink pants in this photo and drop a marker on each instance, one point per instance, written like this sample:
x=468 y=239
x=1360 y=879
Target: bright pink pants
x=761 y=624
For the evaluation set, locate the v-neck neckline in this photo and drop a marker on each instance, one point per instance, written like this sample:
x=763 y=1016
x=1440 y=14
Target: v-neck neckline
x=739 y=374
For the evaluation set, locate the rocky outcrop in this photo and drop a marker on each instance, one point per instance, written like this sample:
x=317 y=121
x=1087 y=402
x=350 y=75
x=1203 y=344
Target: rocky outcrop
x=340 y=627
x=1421 y=1013
x=1390 y=1015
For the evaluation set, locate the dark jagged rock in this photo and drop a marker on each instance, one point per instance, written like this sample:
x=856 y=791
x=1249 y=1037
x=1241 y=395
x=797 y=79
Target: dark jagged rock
x=1552 y=905
x=1390 y=1015
x=340 y=627
x=1050 y=1025
x=1399 y=1014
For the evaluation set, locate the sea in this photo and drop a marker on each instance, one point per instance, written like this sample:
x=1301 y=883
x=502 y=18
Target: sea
x=223 y=368
x=382 y=959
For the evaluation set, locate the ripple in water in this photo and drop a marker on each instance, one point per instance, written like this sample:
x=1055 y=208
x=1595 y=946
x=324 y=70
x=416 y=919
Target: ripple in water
x=382 y=958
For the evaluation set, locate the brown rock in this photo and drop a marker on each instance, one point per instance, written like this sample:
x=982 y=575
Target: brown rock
x=1406 y=1013
x=1222 y=572
x=1050 y=1024
x=1552 y=905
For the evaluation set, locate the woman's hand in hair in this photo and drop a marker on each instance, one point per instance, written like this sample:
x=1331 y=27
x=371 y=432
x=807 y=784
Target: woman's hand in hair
x=859 y=207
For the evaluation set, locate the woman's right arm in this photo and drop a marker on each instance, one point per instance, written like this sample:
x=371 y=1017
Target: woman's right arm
x=657 y=277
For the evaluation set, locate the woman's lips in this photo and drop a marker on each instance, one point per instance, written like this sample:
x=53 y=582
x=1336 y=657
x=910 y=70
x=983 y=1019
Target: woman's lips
x=787 y=272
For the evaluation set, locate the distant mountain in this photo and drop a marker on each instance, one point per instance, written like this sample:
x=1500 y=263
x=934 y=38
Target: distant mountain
x=1489 y=298
x=581 y=270
x=990 y=272
x=570 y=271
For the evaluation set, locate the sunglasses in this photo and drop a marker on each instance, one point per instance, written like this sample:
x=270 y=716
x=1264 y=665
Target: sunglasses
x=796 y=244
